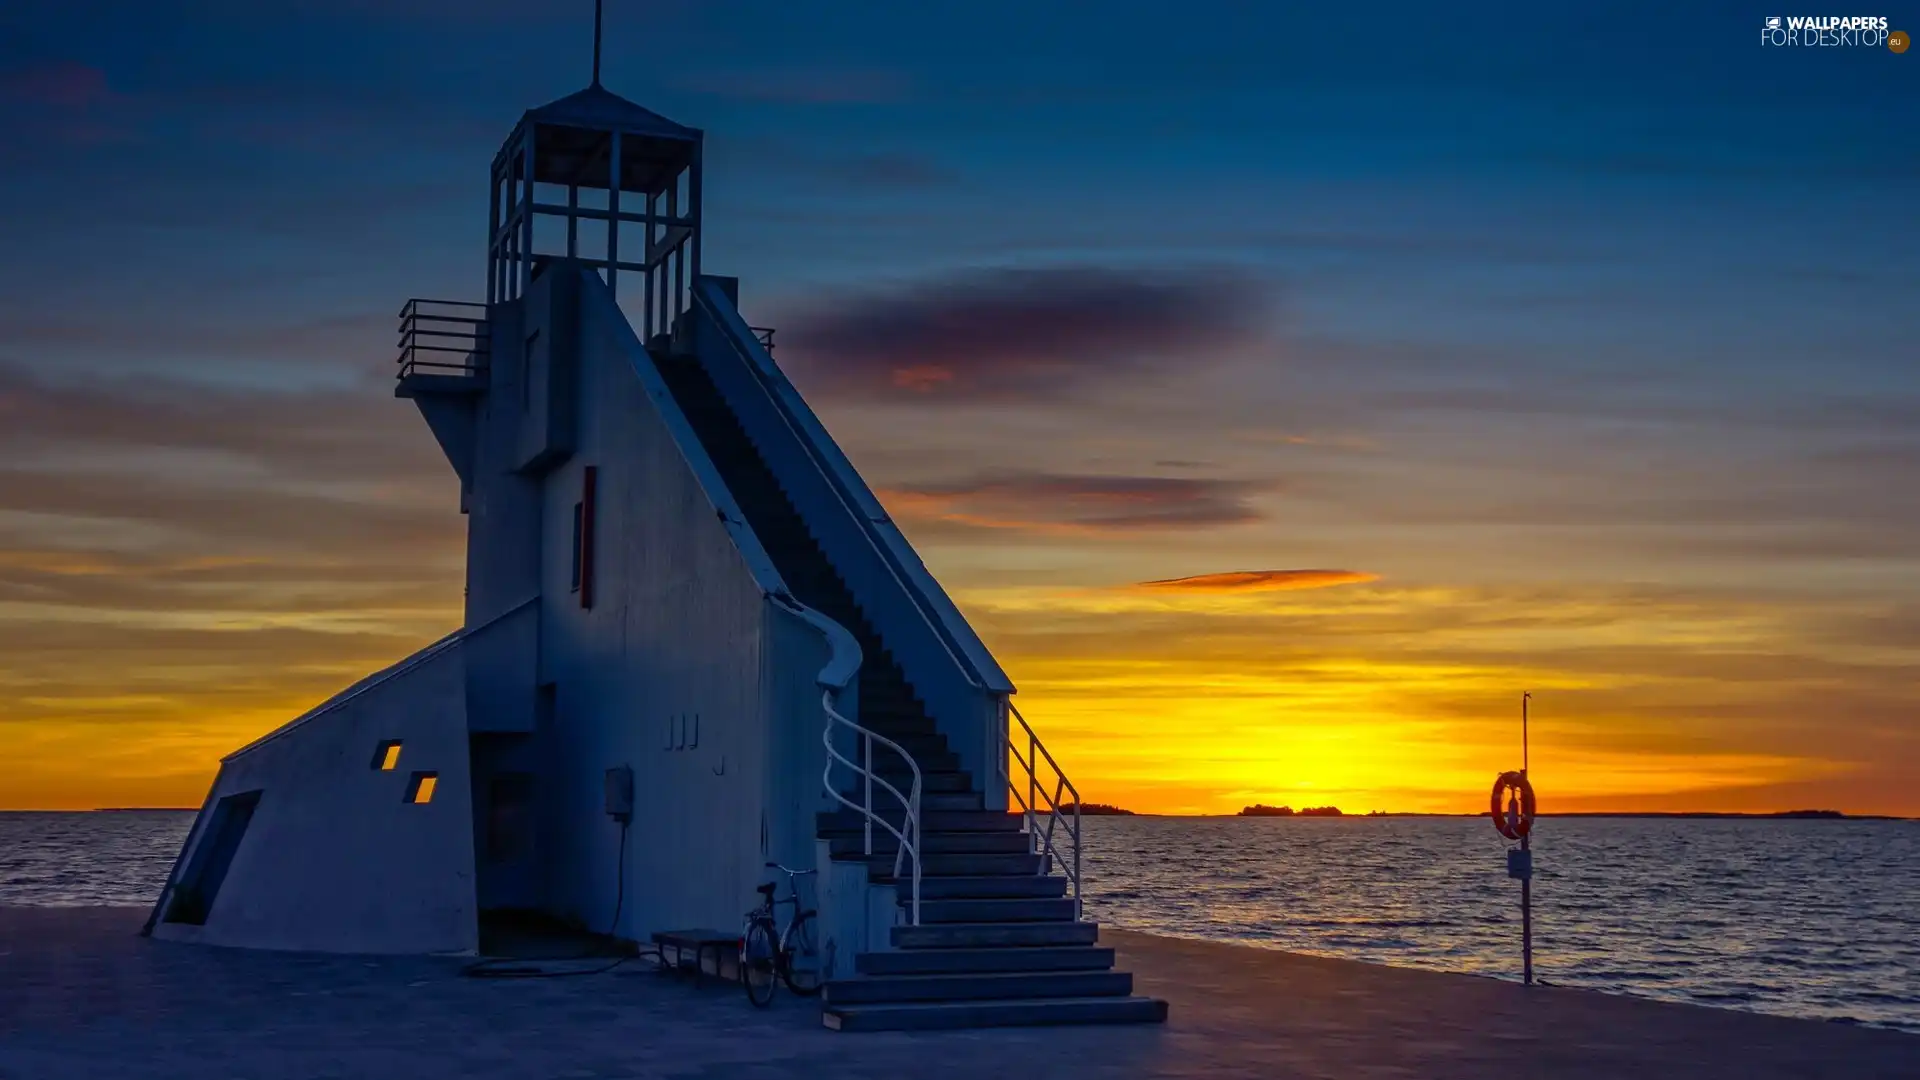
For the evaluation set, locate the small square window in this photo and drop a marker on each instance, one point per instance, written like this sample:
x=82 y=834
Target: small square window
x=386 y=755
x=420 y=788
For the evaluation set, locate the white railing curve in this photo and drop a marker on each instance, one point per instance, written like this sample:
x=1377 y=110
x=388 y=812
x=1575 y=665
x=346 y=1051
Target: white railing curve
x=1062 y=819
x=908 y=834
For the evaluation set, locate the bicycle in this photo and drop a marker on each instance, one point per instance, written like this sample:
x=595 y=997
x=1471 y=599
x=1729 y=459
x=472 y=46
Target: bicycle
x=793 y=955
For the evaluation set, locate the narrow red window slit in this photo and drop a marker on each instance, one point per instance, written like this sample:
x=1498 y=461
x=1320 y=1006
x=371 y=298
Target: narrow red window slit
x=587 y=485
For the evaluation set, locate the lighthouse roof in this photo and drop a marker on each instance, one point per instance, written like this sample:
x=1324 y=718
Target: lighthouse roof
x=600 y=109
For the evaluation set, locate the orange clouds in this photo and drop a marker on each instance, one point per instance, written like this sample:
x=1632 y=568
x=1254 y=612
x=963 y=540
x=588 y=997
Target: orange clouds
x=921 y=377
x=1244 y=581
x=183 y=567
x=104 y=564
x=1066 y=504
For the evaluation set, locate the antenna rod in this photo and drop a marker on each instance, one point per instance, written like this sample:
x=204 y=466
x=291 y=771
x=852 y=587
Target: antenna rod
x=597 y=5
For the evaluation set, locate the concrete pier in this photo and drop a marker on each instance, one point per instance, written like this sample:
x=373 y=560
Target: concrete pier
x=82 y=996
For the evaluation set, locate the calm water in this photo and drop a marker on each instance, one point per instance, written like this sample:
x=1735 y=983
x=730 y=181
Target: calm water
x=1814 y=918
x=1805 y=918
x=84 y=860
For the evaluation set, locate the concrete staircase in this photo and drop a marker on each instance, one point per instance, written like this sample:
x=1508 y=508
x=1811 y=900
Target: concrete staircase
x=998 y=942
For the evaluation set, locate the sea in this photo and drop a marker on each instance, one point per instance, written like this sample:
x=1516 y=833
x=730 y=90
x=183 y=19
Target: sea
x=1807 y=918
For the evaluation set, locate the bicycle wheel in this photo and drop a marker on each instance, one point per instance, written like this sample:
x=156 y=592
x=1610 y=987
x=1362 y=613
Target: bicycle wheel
x=800 y=960
x=759 y=959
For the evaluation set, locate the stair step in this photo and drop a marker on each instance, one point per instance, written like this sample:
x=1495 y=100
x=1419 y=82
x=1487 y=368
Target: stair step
x=988 y=887
x=987 y=986
x=887 y=699
x=921 y=1016
x=931 y=801
x=889 y=764
x=993 y=935
x=995 y=910
x=809 y=574
x=892 y=766
x=942 y=865
x=897 y=726
x=925 y=747
x=981 y=843
x=946 y=961
x=888 y=684
x=943 y=781
x=933 y=821
x=823 y=591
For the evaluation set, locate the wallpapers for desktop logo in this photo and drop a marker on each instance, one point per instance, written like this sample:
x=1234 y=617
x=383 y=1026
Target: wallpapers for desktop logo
x=1829 y=31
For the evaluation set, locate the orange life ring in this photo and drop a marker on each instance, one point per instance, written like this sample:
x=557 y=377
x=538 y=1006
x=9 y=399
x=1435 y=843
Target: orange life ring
x=1520 y=824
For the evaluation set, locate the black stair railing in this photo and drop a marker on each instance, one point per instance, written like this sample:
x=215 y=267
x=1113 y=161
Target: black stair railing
x=443 y=337
x=1050 y=810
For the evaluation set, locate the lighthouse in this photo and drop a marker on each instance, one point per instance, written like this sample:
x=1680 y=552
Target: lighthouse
x=694 y=644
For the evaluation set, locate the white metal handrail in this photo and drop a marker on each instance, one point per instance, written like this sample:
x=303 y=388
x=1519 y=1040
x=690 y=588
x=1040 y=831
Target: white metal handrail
x=909 y=832
x=1058 y=818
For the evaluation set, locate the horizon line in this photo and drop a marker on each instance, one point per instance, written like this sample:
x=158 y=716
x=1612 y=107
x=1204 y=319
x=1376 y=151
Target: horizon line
x=1799 y=813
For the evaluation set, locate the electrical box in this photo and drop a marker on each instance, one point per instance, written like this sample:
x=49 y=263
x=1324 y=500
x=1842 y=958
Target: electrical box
x=620 y=793
x=1520 y=864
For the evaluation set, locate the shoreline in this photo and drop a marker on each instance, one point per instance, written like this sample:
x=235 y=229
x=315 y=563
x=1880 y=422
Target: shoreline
x=85 y=996
x=1659 y=815
x=1544 y=983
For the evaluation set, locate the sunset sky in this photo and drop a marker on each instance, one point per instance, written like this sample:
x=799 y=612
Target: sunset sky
x=1280 y=395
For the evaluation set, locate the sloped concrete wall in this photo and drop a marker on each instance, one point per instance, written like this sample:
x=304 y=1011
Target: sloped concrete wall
x=665 y=671
x=335 y=859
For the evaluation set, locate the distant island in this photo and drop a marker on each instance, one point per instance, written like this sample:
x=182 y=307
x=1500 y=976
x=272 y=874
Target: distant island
x=1263 y=810
x=1096 y=809
x=1711 y=815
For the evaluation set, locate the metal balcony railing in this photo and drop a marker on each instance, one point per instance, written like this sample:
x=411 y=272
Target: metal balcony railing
x=443 y=337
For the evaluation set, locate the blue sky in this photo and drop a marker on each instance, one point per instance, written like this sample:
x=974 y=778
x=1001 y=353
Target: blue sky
x=1601 y=311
